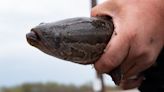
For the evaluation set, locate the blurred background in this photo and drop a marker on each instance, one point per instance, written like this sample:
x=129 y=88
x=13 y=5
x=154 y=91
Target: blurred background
x=22 y=65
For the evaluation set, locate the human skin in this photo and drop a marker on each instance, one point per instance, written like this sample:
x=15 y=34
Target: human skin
x=138 y=37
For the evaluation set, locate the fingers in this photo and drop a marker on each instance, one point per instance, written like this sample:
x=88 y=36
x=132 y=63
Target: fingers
x=136 y=69
x=128 y=63
x=136 y=63
x=114 y=54
x=131 y=83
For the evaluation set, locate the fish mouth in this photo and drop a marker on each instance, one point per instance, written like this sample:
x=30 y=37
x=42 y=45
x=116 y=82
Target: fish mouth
x=33 y=37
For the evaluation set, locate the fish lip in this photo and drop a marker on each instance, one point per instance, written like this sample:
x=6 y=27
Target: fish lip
x=41 y=41
x=32 y=37
x=36 y=34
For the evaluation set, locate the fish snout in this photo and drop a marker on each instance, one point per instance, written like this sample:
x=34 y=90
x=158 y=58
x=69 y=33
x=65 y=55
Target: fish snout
x=32 y=37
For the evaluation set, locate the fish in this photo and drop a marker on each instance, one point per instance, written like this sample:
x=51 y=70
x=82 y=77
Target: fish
x=79 y=40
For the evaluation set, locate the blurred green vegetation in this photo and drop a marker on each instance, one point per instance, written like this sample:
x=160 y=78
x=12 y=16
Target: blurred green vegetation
x=48 y=87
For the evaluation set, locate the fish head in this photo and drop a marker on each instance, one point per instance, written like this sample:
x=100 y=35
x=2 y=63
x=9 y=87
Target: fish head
x=45 y=37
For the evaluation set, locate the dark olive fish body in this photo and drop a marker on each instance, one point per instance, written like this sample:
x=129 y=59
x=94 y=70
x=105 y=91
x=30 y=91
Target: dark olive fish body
x=79 y=40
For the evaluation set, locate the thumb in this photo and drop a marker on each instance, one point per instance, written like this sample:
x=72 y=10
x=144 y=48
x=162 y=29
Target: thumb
x=115 y=52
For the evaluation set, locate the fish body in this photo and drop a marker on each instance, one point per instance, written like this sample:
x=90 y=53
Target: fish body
x=79 y=40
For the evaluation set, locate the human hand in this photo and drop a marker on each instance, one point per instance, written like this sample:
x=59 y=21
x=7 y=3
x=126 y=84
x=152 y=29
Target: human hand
x=138 y=36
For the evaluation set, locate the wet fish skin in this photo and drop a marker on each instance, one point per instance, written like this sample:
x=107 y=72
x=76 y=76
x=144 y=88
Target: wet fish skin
x=80 y=40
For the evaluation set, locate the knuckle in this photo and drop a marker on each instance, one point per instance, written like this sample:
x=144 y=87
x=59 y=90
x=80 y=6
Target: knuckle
x=110 y=62
x=132 y=35
x=150 y=56
x=105 y=65
x=148 y=59
x=101 y=66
